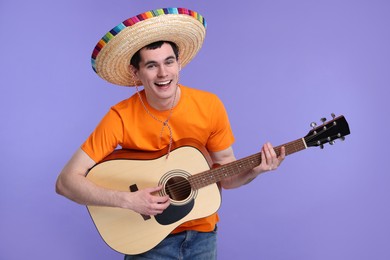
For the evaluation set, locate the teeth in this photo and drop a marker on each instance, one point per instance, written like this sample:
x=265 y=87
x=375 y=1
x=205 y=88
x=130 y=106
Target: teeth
x=163 y=83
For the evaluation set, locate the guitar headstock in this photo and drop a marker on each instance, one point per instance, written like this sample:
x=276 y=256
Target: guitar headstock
x=328 y=132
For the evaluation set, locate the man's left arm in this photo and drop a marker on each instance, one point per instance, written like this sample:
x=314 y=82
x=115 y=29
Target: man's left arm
x=269 y=161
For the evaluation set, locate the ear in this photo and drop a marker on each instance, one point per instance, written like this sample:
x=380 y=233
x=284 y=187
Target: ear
x=179 y=62
x=133 y=70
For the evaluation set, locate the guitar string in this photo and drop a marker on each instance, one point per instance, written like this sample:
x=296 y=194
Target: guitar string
x=182 y=186
x=223 y=170
x=207 y=177
x=227 y=170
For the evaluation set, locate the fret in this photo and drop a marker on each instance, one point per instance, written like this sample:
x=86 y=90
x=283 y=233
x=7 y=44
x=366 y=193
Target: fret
x=206 y=178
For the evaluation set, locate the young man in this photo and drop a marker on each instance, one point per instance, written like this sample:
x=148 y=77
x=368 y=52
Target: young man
x=150 y=50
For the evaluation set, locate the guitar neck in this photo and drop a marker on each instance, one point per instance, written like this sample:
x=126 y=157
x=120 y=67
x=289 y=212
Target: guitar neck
x=215 y=175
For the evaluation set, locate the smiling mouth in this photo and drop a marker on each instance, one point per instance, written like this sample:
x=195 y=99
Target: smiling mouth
x=163 y=84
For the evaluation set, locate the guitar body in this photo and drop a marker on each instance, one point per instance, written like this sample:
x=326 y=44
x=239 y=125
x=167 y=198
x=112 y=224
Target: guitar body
x=129 y=232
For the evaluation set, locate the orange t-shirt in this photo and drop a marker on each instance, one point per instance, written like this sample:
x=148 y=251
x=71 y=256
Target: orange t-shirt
x=198 y=115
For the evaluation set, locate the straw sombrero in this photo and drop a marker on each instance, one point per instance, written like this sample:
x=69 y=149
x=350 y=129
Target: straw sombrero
x=111 y=56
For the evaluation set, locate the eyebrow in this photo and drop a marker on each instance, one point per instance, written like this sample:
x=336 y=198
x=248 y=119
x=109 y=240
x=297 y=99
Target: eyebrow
x=153 y=62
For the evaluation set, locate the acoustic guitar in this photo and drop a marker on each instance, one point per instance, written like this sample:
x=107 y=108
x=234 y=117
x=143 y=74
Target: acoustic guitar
x=187 y=178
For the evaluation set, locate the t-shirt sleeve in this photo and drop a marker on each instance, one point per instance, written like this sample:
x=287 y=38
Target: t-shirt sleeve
x=222 y=135
x=105 y=138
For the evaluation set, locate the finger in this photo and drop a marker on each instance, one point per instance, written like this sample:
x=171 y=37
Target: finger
x=274 y=156
x=263 y=156
x=267 y=151
x=271 y=156
x=264 y=159
x=162 y=206
x=161 y=199
x=154 y=189
x=282 y=153
x=159 y=207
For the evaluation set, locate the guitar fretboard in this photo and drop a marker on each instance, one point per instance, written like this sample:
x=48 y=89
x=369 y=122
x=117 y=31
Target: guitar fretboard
x=206 y=178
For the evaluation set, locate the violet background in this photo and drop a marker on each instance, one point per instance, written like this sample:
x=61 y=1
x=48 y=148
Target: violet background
x=277 y=65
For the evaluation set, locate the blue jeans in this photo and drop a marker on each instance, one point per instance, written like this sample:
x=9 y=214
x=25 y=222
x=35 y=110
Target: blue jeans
x=187 y=245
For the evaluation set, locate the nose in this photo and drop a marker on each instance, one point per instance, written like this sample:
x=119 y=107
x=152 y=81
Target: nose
x=162 y=72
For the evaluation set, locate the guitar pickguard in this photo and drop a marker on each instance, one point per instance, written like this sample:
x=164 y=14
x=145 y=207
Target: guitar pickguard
x=174 y=213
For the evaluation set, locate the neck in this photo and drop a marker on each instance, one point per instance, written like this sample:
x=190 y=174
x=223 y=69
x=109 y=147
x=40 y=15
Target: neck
x=165 y=104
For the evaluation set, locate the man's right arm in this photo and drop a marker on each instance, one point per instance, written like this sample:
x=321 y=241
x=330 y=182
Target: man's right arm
x=73 y=184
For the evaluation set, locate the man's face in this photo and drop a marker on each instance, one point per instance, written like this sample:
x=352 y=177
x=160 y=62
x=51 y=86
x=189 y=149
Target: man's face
x=159 y=73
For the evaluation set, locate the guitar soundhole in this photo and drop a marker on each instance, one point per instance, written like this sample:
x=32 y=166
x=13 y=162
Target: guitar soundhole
x=178 y=188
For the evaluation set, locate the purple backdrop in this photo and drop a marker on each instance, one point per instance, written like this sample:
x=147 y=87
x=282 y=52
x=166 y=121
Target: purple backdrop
x=277 y=65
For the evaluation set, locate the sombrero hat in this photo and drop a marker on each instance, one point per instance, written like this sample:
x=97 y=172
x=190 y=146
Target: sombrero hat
x=112 y=54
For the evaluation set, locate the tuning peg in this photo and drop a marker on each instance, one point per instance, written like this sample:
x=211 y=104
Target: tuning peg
x=333 y=115
x=313 y=124
x=331 y=142
x=342 y=138
x=321 y=146
x=323 y=120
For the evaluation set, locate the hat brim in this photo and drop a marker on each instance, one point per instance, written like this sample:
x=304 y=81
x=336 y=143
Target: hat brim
x=111 y=56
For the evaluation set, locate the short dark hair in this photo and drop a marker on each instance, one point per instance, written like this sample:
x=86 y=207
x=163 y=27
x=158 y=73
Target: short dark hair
x=135 y=60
